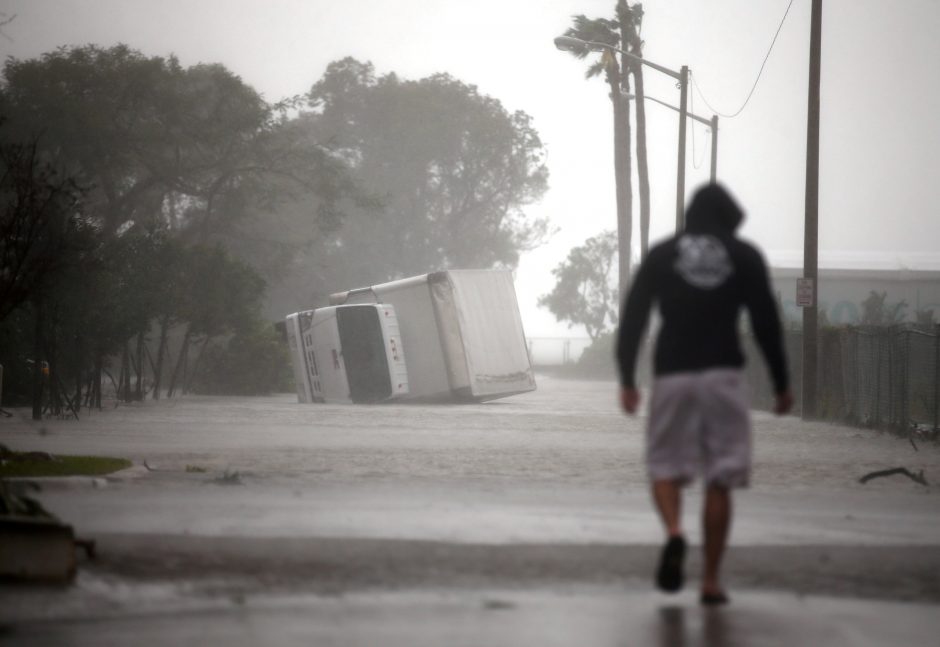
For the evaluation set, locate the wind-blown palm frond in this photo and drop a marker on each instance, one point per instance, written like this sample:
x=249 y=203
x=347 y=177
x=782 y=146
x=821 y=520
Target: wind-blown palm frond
x=599 y=30
x=595 y=69
x=614 y=34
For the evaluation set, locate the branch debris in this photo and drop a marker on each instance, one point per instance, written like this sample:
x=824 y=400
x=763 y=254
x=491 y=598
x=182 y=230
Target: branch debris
x=917 y=478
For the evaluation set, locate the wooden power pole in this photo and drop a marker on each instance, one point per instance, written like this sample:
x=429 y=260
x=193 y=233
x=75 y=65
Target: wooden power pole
x=811 y=227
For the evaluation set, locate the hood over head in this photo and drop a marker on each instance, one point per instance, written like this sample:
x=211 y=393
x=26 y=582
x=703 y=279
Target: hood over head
x=713 y=210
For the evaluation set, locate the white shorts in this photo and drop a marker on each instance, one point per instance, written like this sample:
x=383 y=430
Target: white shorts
x=700 y=422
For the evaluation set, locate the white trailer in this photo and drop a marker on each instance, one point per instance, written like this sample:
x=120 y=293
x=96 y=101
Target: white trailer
x=461 y=333
x=347 y=354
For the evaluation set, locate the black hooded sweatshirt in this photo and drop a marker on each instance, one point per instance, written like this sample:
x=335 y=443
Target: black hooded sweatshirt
x=700 y=280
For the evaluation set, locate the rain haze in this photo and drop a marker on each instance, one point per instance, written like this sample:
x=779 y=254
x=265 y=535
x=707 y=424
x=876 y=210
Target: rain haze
x=878 y=133
x=403 y=465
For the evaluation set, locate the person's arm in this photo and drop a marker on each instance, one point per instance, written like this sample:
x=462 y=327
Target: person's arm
x=765 y=321
x=633 y=319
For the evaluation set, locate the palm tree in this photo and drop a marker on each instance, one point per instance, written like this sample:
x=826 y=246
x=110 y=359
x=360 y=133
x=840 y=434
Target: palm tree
x=631 y=21
x=605 y=31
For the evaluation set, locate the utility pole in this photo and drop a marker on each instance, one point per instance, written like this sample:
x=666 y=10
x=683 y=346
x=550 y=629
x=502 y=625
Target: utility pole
x=714 y=168
x=811 y=226
x=711 y=123
x=680 y=170
x=624 y=190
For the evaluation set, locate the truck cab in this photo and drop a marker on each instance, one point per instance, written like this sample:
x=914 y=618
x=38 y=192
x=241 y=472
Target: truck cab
x=347 y=353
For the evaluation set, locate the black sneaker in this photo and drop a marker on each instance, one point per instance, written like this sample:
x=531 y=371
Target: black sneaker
x=714 y=599
x=669 y=576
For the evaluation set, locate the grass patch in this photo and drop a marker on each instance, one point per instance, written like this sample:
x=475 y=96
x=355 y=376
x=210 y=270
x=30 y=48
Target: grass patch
x=16 y=464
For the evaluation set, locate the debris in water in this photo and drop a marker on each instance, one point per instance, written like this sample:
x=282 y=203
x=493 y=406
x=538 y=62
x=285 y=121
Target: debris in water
x=917 y=478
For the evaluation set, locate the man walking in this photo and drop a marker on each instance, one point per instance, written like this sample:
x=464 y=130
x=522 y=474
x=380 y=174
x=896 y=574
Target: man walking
x=699 y=418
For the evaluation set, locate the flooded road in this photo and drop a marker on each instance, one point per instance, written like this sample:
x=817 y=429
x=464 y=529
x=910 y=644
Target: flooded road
x=251 y=512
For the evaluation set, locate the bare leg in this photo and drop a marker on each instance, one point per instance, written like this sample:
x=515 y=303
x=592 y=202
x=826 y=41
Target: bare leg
x=668 y=498
x=716 y=519
x=669 y=573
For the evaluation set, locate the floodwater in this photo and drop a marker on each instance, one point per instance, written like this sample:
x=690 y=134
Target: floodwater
x=459 y=524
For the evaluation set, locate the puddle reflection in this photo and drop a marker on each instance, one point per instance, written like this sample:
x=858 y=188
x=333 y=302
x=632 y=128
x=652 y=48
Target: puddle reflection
x=677 y=627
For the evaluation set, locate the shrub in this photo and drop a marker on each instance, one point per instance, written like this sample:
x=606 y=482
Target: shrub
x=252 y=362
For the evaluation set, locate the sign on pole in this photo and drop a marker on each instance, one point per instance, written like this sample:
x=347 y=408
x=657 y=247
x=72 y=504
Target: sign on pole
x=805 y=293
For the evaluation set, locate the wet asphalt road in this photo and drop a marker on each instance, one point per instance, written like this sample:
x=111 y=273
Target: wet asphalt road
x=522 y=521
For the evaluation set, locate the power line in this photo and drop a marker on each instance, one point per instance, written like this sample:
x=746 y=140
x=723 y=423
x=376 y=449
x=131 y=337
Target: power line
x=761 y=71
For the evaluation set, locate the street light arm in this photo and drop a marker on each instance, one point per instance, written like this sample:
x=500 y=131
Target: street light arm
x=707 y=122
x=711 y=123
x=577 y=45
x=571 y=44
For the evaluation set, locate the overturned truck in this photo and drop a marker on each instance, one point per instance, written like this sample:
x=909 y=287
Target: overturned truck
x=454 y=335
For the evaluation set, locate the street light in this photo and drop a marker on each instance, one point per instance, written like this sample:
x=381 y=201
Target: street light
x=711 y=123
x=571 y=44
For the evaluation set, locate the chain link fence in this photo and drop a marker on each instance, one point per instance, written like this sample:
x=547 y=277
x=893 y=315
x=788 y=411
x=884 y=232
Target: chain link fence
x=556 y=351
x=878 y=377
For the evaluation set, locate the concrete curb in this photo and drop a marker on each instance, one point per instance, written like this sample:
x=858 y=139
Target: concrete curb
x=36 y=549
x=133 y=472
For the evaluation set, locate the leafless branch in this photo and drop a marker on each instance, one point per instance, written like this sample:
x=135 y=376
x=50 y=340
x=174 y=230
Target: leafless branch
x=917 y=478
x=4 y=21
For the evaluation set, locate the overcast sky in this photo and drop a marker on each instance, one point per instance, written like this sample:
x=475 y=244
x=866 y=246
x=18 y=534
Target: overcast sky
x=879 y=134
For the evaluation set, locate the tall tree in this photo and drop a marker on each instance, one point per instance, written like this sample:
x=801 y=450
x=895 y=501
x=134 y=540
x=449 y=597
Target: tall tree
x=192 y=149
x=602 y=30
x=288 y=230
x=43 y=235
x=584 y=292
x=451 y=168
x=209 y=146
x=92 y=106
x=41 y=223
x=222 y=295
x=162 y=152
x=631 y=22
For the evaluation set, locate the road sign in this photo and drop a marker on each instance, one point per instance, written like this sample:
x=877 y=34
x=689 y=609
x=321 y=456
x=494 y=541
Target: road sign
x=805 y=294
